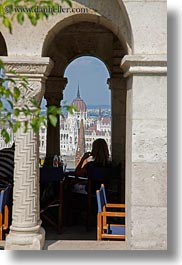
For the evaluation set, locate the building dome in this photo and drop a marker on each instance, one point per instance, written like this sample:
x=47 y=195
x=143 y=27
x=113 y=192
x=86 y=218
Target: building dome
x=79 y=103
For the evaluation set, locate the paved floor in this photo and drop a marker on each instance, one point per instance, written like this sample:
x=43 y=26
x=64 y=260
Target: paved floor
x=84 y=245
x=77 y=238
x=2 y=242
x=77 y=232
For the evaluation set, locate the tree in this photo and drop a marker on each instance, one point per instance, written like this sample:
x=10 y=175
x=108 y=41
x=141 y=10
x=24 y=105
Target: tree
x=9 y=96
x=29 y=8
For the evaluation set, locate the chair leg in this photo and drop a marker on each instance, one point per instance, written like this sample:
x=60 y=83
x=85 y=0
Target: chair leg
x=60 y=208
x=89 y=206
x=1 y=227
x=6 y=217
x=98 y=226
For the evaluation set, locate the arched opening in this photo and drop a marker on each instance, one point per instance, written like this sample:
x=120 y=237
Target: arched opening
x=3 y=48
x=87 y=76
x=87 y=38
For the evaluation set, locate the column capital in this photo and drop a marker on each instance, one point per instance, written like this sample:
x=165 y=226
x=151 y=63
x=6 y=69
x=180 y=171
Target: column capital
x=155 y=64
x=55 y=83
x=28 y=66
x=54 y=88
x=35 y=70
x=116 y=83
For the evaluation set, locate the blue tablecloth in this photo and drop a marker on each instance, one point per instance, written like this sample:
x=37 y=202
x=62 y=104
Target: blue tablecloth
x=51 y=174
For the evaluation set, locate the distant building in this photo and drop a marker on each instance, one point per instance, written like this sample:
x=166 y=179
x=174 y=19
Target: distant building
x=3 y=144
x=42 y=141
x=93 y=128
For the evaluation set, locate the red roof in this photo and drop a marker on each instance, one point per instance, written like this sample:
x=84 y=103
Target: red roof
x=80 y=104
x=106 y=120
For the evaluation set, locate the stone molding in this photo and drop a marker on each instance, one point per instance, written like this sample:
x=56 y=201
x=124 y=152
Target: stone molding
x=35 y=70
x=144 y=65
x=34 y=67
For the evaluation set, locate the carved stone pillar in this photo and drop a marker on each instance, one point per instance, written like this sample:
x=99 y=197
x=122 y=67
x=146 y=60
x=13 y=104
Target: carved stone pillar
x=53 y=95
x=25 y=231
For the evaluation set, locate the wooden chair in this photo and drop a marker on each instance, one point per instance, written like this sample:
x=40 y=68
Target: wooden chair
x=96 y=176
x=106 y=229
x=4 y=209
x=52 y=176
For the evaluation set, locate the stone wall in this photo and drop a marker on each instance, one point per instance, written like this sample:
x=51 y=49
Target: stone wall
x=141 y=27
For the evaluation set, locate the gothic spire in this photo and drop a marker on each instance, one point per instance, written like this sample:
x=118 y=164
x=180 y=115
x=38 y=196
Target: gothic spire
x=100 y=114
x=81 y=143
x=78 y=91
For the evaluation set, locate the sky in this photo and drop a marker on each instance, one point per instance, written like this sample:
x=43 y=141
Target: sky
x=91 y=75
x=174 y=255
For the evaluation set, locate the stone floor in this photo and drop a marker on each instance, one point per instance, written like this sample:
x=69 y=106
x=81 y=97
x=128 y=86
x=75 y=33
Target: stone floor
x=71 y=237
x=77 y=232
x=85 y=245
x=77 y=238
x=2 y=242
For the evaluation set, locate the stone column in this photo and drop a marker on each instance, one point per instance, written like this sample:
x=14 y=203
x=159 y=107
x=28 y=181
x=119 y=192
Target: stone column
x=118 y=108
x=146 y=148
x=53 y=95
x=26 y=232
x=118 y=105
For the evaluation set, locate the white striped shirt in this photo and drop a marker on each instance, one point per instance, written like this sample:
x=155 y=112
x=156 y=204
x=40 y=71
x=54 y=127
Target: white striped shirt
x=7 y=164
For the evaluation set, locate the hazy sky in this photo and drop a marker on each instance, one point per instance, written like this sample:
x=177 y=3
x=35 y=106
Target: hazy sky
x=91 y=74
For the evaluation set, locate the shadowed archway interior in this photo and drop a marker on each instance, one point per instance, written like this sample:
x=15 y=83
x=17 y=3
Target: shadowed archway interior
x=3 y=48
x=90 y=39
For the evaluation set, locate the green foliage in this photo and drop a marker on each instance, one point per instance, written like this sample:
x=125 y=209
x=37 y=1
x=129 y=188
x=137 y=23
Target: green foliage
x=29 y=8
x=31 y=109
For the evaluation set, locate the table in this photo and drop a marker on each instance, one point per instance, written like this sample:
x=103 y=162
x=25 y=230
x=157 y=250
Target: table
x=52 y=175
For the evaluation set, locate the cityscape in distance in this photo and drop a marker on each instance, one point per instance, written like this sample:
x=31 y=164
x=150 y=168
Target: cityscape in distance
x=80 y=129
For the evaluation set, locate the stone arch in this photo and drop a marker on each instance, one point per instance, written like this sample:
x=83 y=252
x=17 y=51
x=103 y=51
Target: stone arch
x=86 y=35
x=128 y=26
x=3 y=47
x=116 y=21
x=67 y=43
x=146 y=123
x=97 y=57
x=84 y=92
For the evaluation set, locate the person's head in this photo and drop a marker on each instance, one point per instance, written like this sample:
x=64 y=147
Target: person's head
x=100 y=151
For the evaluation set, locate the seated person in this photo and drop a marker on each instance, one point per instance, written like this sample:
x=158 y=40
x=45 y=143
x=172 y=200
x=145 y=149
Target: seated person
x=7 y=172
x=98 y=157
x=7 y=165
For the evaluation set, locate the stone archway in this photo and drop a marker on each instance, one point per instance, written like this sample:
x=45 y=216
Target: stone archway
x=44 y=75
x=3 y=48
x=144 y=69
x=93 y=39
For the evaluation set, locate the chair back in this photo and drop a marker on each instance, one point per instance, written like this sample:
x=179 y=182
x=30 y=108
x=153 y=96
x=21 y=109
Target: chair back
x=103 y=193
x=108 y=228
x=5 y=202
x=100 y=199
x=4 y=196
x=96 y=176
